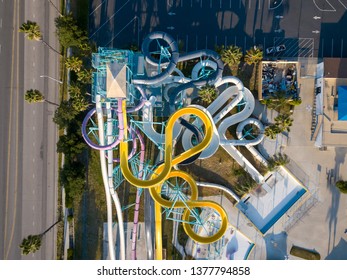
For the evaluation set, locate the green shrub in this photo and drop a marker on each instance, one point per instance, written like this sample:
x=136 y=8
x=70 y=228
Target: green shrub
x=70 y=254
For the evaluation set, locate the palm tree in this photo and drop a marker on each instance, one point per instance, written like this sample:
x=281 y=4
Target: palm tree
x=231 y=55
x=74 y=63
x=32 y=31
x=208 y=93
x=74 y=90
x=85 y=76
x=33 y=242
x=35 y=96
x=281 y=159
x=271 y=131
x=277 y=160
x=342 y=186
x=295 y=102
x=284 y=122
x=79 y=103
x=253 y=55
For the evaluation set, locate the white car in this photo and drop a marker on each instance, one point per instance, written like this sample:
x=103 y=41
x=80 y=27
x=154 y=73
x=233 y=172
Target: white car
x=275 y=49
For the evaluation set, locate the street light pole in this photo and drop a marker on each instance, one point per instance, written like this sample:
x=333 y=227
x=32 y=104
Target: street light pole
x=49 y=77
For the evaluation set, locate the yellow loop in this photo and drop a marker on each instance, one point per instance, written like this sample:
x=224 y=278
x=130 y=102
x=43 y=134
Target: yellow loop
x=192 y=203
x=163 y=170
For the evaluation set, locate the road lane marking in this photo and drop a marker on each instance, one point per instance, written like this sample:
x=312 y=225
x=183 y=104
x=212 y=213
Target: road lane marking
x=16 y=6
x=9 y=136
x=33 y=128
x=0 y=22
x=341 y=48
x=33 y=175
x=33 y=159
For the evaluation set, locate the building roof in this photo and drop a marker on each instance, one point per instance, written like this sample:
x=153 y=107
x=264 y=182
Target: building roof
x=116 y=80
x=342 y=103
x=335 y=67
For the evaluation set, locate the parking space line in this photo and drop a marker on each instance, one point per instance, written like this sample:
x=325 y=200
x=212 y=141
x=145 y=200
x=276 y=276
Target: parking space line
x=206 y=43
x=230 y=4
x=186 y=43
x=181 y=3
x=324 y=10
x=341 y=48
x=322 y=46
x=249 y=4
x=216 y=41
x=200 y=3
x=109 y=19
x=240 y=4
x=225 y=41
x=332 y=47
x=97 y=7
x=191 y=3
x=196 y=42
x=210 y=3
x=343 y=4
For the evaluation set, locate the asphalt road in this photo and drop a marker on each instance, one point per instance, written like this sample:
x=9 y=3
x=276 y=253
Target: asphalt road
x=309 y=27
x=28 y=161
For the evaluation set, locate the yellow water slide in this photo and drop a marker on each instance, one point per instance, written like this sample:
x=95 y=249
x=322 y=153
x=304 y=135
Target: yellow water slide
x=165 y=171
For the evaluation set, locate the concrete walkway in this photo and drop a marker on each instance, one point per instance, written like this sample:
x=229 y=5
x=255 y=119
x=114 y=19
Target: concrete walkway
x=323 y=227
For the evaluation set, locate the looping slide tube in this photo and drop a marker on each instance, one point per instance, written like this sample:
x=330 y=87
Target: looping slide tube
x=192 y=203
x=165 y=171
x=171 y=65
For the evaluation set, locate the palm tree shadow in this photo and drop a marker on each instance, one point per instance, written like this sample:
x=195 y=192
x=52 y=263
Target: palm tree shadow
x=332 y=217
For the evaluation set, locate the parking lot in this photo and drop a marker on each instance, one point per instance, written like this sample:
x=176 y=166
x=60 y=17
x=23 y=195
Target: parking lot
x=311 y=28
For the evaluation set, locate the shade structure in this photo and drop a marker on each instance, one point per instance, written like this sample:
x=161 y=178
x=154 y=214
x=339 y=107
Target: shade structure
x=116 y=80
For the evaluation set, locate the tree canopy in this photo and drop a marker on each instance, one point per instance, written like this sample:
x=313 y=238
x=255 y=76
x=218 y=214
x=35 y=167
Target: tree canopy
x=69 y=33
x=253 y=55
x=231 y=55
x=34 y=96
x=342 y=186
x=31 y=30
x=208 y=93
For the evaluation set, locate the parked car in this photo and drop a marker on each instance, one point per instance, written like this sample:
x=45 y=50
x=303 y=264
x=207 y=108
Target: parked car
x=275 y=49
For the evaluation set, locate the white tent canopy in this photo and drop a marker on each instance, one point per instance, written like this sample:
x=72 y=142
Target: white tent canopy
x=116 y=80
